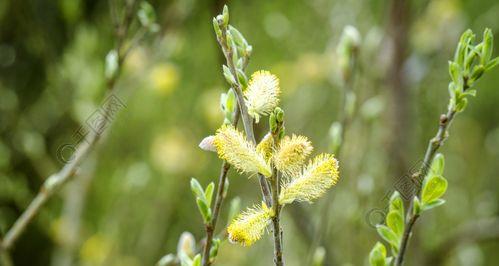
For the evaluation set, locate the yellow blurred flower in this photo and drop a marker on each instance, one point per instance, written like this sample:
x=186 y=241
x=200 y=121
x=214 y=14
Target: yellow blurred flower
x=95 y=249
x=171 y=152
x=164 y=78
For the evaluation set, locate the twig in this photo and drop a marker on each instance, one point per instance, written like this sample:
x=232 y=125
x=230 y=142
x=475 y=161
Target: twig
x=210 y=228
x=53 y=183
x=276 y=226
x=434 y=144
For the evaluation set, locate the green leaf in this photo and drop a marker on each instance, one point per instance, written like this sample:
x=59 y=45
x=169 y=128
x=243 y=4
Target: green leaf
x=454 y=71
x=433 y=204
x=197 y=189
x=208 y=193
x=492 y=63
x=433 y=189
x=438 y=164
x=225 y=15
x=388 y=235
x=204 y=210
x=377 y=256
x=146 y=14
x=396 y=203
x=230 y=101
x=461 y=104
x=395 y=221
x=488 y=45
x=214 y=247
x=197 y=260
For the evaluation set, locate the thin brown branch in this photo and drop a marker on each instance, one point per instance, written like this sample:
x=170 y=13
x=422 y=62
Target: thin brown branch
x=434 y=144
x=53 y=183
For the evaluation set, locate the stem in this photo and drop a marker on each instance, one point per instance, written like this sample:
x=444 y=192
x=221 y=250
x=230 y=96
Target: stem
x=278 y=261
x=210 y=227
x=434 y=144
x=53 y=183
x=247 y=120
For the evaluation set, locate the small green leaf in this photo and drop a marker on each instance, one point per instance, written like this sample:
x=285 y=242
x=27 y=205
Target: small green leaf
x=433 y=189
x=225 y=15
x=146 y=14
x=214 y=248
x=492 y=63
x=455 y=71
x=230 y=101
x=377 y=256
x=228 y=75
x=388 y=235
x=488 y=45
x=216 y=28
x=197 y=189
x=438 y=164
x=197 y=260
x=208 y=193
x=185 y=260
x=433 y=204
x=396 y=203
x=204 y=210
x=395 y=221
x=461 y=104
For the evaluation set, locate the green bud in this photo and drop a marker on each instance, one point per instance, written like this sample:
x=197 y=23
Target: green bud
x=335 y=136
x=416 y=208
x=230 y=101
x=167 y=260
x=238 y=38
x=225 y=16
x=243 y=80
x=112 y=64
x=461 y=104
x=488 y=46
x=214 y=248
x=226 y=188
x=492 y=63
x=217 y=29
x=282 y=133
x=228 y=76
x=272 y=122
x=477 y=72
x=279 y=114
x=455 y=72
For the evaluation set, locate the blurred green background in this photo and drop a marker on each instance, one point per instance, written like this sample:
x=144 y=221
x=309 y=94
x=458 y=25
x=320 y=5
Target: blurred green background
x=131 y=200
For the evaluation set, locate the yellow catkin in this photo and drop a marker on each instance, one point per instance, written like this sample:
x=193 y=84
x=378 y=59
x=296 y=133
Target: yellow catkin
x=291 y=154
x=319 y=175
x=265 y=146
x=250 y=225
x=262 y=94
x=233 y=147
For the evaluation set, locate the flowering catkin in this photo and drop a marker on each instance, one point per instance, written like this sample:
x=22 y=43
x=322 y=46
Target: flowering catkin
x=250 y=225
x=262 y=94
x=291 y=154
x=233 y=147
x=319 y=175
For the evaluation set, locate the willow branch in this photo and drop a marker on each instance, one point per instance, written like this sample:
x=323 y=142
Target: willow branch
x=434 y=144
x=53 y=183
